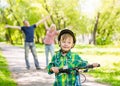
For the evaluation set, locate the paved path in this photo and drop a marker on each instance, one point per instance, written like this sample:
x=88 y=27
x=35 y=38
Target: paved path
x=32 y=77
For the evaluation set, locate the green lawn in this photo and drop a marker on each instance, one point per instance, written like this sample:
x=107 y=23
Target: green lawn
x=5 y=75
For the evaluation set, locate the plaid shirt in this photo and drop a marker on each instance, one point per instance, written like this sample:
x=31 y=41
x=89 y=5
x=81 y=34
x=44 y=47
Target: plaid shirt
x=70 y=60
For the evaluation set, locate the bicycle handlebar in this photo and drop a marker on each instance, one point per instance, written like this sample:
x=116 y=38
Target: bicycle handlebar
x=67 y=70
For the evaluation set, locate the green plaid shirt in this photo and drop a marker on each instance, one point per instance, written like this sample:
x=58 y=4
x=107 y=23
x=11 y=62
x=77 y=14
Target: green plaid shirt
x=70 y=60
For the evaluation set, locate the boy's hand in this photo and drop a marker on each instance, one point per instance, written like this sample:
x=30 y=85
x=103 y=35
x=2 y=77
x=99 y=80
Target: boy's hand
x=96 y=65
x=55 y=69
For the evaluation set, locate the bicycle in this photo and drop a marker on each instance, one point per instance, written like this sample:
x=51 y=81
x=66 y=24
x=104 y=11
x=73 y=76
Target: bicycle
x=82 y=78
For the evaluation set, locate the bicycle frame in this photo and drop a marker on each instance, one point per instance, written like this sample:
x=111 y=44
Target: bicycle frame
x=80 y=76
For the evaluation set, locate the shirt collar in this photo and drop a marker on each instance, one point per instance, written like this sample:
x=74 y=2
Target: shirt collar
x=68 y=55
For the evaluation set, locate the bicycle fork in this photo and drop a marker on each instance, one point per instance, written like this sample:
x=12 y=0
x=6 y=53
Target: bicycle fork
x=77 y=82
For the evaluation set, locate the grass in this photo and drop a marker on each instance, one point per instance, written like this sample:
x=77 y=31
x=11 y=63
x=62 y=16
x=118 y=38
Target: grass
x=110 y=75
x=5 y=75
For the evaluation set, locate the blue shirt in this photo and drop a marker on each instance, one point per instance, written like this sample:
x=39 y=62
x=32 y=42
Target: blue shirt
x=29 y=32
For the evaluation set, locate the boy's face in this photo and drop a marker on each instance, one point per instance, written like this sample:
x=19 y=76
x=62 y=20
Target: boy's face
x=66 y=42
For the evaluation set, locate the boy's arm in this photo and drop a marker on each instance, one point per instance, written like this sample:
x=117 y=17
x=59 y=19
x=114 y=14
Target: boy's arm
x=80 y=62
x=13 y=27
x=41 y=21
x=49 y=68
x=51 y=64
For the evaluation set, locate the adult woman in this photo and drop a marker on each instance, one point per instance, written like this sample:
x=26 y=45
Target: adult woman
x=49 y=39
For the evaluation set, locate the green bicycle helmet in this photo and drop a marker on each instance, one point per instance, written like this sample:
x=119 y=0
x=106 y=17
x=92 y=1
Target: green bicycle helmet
x=67 y=31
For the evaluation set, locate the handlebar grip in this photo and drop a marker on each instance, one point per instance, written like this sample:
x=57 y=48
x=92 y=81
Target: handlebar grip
x=91 y=66
x=61 y=70
x=98 y=65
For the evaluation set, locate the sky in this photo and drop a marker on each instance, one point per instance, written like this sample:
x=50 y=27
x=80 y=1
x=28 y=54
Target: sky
x=3 y=3
x=89 y=7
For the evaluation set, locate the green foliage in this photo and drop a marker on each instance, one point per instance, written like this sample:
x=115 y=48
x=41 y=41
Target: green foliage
x=5 y=75
x=107 y=29
x=103 y=41
x=65 y=14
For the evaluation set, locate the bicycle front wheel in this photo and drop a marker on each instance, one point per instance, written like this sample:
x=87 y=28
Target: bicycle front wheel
x=82 y=78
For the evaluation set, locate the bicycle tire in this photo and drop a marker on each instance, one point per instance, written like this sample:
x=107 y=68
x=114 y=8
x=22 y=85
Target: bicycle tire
x=82 y=78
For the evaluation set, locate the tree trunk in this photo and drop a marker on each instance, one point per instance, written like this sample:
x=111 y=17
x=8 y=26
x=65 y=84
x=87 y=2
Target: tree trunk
x=46 y=7
x=95 y=29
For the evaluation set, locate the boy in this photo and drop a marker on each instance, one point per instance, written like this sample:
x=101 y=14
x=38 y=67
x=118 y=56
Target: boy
x=64 y=58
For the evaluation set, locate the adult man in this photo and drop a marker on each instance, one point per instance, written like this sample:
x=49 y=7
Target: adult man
x=29 y=40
